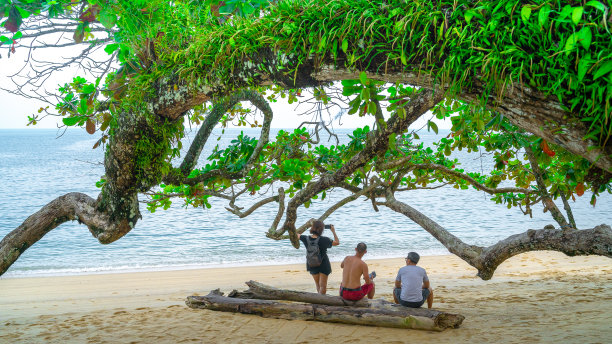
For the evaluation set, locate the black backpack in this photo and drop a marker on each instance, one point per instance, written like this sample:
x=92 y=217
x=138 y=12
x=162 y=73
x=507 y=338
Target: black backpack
x=313 y=253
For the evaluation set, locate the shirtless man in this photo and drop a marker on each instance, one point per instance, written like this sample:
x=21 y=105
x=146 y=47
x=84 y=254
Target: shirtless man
x=352 y=270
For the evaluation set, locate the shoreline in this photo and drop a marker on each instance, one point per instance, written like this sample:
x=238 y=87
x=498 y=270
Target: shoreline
x=42 y=274
x=529 y=295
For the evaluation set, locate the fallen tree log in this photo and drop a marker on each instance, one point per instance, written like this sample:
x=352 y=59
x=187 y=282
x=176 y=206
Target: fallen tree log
x=265 y=292
x=398 y=317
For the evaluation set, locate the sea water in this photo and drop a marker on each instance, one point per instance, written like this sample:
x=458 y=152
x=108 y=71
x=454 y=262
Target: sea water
x=36 y=166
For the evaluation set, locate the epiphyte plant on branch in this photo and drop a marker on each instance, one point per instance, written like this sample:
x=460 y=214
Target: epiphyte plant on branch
x=528 y=81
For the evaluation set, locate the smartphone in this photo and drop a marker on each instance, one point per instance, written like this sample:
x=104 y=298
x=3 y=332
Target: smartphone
x=327 y=226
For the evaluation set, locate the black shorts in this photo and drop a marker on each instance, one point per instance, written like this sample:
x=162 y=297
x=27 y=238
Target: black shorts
x=324 y=268
x=424 y=293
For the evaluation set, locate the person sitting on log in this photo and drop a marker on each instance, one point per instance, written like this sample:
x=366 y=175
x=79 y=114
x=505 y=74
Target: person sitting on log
x=412 y=284
x=352 y=270
x=317 y=261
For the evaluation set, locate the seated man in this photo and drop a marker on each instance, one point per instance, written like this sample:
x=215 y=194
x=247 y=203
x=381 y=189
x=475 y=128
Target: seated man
x=352 y=270
x=412 y=285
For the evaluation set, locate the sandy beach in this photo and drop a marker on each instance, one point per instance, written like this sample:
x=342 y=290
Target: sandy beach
x=542 y=297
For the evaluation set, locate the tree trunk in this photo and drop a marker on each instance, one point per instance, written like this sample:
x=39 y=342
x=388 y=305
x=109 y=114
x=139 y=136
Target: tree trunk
x=398 y=316
x=116 y=210
x=265 y=292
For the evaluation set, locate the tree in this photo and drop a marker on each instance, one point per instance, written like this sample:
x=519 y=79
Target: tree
x=529 y=82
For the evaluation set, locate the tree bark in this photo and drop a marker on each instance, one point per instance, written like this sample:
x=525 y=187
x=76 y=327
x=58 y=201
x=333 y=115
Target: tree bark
x=525 y=107
x=398 y=316
x=593 y=241
x=116 y=210
x=264 y=292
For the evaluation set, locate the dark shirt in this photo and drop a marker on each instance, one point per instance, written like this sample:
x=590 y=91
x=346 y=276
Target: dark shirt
x=324 y=244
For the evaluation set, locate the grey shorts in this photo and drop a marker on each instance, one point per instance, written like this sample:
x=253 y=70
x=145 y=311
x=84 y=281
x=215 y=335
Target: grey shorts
x=398 y=291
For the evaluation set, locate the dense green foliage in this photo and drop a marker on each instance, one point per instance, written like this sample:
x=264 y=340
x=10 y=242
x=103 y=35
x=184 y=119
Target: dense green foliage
x=563 y=49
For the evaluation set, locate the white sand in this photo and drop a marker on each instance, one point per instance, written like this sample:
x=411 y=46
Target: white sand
x=536 y=297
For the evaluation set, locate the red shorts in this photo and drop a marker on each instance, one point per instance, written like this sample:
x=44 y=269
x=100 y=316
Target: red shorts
x=356 y=295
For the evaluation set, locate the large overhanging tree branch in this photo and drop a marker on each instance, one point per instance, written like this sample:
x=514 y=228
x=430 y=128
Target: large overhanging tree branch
x=597 y=240
x=449 y=50
x=485 y=56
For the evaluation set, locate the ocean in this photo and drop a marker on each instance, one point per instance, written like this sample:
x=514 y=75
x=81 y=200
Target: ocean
x=39 y=165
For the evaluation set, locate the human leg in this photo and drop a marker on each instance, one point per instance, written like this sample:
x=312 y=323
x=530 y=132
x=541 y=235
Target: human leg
x=372 y=291
x=322 y=283
x=316 y=278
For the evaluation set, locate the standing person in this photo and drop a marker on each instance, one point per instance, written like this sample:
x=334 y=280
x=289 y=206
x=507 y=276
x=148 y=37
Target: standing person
x=319 y=272
x=352 y=270
x=412 y=284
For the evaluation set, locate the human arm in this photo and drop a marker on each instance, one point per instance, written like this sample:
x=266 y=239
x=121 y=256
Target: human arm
x=336 y=241
x=366 y=275
x=342 y=264
x=398 y=283
x=425 y=281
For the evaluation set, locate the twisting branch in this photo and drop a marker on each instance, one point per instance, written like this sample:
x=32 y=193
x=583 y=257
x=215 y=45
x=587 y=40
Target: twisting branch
x=272 y=232
x=316 y=131
x=568 y=210
x=469 y=179
x=364 y=192
x=546 y=199
x=201 y=138
x=70 y=207
x=376 y=144
x=236 y=210
x=597 y=240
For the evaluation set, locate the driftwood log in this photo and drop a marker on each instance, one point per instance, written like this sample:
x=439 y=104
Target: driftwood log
x=376 y=313
x=265 y=292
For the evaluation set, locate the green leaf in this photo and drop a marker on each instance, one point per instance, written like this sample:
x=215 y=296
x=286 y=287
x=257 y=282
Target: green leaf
x=24 y=14
x=365 y=94
x=363 y=78
x=525 y=13
x=586 y=36
x=344 y=45
x=392 y=142
x=82 y=109
x=543 y=15
x=17 y=35
x=603 y=70
x=4 y=39
x=598 y=5
x=109 y=49
x=107 y=19
x=469 y=15
x=70 y=121
x=570 y=43
x=583 y=66
x=433 y=126
x=577 y=14
x=88 y=89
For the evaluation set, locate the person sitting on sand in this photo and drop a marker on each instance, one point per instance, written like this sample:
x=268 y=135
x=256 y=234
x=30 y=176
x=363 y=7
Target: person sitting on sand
x=412 y=284
x=321 y=272
x=352 y=270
